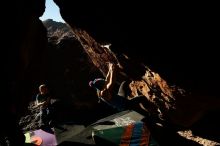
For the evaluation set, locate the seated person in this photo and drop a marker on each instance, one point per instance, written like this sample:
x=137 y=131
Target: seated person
x=43 y=101
x=43 y=97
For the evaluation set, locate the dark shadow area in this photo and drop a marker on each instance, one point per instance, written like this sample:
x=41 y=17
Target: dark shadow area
x=69 y=143
x=29 y=144
x=132 y=67
x=66 y=114
x=163 y=37
x=167 y=136
x=103 y=142
x=208 y=127
x=47 y=129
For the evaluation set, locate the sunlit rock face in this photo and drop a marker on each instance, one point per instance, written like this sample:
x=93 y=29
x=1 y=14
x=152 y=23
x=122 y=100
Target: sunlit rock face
x=164 y=100
x=173 y=41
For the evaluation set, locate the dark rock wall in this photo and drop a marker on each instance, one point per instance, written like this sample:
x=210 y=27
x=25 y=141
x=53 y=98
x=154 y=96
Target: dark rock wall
x=178 y=41
x=24 y=39
x=69 y=69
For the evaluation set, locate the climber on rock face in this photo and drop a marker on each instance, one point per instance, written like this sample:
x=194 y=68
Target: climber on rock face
x=120 y=101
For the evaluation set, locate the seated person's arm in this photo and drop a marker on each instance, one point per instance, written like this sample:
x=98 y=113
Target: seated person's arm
x=37 y=103
x=40 y=103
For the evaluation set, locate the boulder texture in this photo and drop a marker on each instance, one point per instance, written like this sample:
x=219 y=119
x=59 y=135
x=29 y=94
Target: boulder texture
x=163 y=100
x=166 y=100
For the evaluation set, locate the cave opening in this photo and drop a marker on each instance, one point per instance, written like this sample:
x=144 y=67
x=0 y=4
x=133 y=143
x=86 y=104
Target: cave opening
x=52 y=12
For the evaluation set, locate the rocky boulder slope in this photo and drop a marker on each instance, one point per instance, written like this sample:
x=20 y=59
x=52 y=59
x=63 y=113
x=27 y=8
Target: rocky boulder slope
x=165 y=101
x=169 y=102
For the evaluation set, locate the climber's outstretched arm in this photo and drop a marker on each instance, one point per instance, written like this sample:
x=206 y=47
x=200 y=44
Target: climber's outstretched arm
x=106 y=93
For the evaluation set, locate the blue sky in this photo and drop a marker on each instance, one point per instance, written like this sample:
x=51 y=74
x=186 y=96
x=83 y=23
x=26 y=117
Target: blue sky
x=51 y=12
